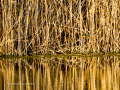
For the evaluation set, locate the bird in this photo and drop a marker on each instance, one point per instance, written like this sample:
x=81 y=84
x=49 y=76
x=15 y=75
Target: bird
x=85 y=35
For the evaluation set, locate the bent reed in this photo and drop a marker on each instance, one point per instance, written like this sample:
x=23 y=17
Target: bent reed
x=57 y=26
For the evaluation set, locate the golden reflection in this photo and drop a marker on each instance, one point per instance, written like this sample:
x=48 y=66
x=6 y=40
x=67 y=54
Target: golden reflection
x=67 y=73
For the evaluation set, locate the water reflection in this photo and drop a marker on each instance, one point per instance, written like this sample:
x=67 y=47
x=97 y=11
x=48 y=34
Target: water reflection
x=65 y=73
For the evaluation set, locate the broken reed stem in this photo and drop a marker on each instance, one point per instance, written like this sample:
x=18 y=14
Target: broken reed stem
x=47 y=25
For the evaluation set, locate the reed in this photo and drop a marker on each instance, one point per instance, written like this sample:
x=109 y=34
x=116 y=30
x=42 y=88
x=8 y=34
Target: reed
x=52 y=26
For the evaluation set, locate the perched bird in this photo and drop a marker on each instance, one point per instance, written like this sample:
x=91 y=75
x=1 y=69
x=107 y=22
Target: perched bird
x=84 y=35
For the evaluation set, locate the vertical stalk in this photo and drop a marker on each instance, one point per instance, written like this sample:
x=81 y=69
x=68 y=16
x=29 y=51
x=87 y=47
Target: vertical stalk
x=20 y=74
x=36 y=25
x=6 y=30
x=47 y=28
x=11 y=24
x=65 y=19
x=31 y=31
x=71 y=26
x=1 y=29
x=92 y=25
x=19 y=44
x=80 y=24
x=42 y=36
x=26 y=28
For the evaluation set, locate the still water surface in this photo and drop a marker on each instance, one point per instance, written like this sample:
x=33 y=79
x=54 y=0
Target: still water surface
x=60 y=73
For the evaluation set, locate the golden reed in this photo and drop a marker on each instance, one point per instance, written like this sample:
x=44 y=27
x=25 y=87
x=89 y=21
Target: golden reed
x=57 y=26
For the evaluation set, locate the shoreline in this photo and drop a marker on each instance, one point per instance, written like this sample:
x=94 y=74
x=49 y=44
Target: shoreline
x=61 y=55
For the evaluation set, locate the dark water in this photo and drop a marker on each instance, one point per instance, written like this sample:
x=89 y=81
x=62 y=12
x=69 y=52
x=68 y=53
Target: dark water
x=60 y=73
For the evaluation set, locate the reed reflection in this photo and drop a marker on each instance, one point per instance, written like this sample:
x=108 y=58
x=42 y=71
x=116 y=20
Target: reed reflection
x=65 y=73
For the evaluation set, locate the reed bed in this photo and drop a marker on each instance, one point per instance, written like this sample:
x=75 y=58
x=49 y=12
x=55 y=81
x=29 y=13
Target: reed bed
x=57 y=26
x=76 y=73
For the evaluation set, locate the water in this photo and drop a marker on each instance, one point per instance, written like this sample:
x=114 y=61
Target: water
x=60 y=73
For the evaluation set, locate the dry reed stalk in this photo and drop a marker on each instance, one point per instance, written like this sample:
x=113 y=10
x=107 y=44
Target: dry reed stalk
x=12 y=44
x=96 y=22
x=34 y=7
x=107 y=27
x=41 y=21
x=47 y=27
x=26 y=27
x=72 y=38
x=9 y=18
x=2 y=21
x=5 y=31
x=92 y=25
x=36 y=22
x=19 y=40
x=80 y=25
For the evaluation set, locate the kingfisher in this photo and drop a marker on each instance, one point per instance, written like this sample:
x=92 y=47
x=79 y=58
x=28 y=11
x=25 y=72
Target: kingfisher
x=85 y=35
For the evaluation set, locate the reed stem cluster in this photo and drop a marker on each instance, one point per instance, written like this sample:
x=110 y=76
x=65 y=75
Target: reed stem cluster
x=52 y=26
